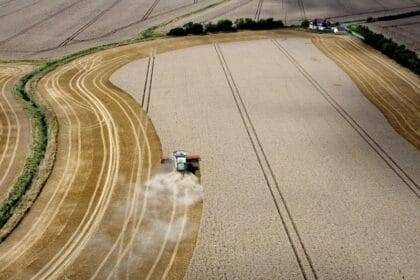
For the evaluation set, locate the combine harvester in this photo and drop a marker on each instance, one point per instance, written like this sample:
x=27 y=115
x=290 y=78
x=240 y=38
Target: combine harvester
x=182 y=163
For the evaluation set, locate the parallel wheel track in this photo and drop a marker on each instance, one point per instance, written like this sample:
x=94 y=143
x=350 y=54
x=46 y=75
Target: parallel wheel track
x=258 y=11
x=147 y=90
x=302 y=9
x=89 y=23
x=240 y=5
x=287 y=220
x=392 y=164
x=39 y=22
x=150 y=10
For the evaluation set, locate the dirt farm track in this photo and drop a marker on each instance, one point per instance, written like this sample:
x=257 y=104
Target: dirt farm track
x=309 y=144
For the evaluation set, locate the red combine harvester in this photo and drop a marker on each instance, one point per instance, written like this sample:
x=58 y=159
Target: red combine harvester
x=183 y=163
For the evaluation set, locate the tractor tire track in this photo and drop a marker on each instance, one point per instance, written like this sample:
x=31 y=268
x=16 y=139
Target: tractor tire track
x=89 y=23
x=150 y=10
x=52 y=90
x=116 y=30
x=15 y=131
x=16 y=251
x=392 y=164
x=126 y=254
x=132 y=204
x=411 y=106
x=302 y=9
x=139 y=179
x=408 y=78
x=89 y=223
x=23 y=31
x=258 y=11
x=402 y=102
x=88 y=103
x=302 y=257
x=20 y=9
x=147 y=90
x=226 y=11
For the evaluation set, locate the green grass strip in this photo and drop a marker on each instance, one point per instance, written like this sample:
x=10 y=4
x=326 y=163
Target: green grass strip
x=39 y=146
x=25 y=92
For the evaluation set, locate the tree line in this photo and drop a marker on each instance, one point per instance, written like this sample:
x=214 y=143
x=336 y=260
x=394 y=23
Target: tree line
x=225 y=25
x=387 y=46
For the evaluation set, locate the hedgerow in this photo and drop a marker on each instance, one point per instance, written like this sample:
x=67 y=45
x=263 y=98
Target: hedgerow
x=394 y=17
x=387 y=46
x=39 y=145
x=225 y=25
x=44 y=131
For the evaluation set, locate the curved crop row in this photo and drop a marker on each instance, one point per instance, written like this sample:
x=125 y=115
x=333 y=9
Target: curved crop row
x=43 y=128
x=40 y=161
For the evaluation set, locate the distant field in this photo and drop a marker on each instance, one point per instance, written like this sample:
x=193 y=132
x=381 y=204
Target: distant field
x=31 y=29
x=292 y=12
x=42 y=28
x=405 y=31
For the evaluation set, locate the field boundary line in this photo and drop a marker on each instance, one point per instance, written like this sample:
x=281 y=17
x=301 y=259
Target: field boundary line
x=394 y=166
x=299 y=249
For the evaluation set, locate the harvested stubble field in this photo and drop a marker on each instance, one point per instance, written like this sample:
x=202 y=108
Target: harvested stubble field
x=294 y=11
x=15 y=128
x=303 y=176
x=54 y=28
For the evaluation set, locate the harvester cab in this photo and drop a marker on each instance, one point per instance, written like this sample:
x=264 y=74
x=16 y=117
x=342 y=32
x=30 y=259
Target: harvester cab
x=181 y=162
